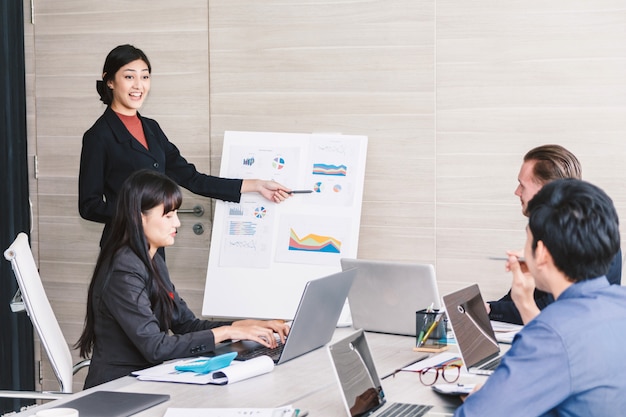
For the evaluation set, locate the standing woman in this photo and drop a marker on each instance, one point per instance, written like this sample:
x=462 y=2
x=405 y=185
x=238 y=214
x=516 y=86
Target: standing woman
x=121 y=142
x=135 y=318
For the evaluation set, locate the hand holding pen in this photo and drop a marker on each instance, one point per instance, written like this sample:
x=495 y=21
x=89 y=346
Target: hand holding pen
x=517 y=257
x=513 y=259
x=522 y=288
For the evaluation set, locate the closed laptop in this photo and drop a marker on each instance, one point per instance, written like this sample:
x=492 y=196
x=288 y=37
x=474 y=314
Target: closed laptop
x=114 y=403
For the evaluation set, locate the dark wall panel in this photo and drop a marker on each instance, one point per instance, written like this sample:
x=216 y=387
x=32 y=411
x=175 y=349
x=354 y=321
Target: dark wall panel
x=16 y=333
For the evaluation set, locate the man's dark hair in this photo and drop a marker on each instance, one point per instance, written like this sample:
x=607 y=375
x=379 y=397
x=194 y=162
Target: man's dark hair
x=578 y=224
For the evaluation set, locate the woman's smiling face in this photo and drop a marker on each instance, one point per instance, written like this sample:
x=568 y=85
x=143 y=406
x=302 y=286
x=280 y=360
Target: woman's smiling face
x=130 y=86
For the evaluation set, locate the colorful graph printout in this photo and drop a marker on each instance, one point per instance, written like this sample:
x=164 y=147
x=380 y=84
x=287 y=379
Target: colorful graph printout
x=261 y=250
x=249 y=161
x=260 y=212
x=328 y=169
x=314 y=243
x=242 y=228
x=313 y=239
x=278 y=163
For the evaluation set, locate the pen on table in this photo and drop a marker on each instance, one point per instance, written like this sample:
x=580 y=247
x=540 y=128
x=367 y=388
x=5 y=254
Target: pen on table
x=300 y=192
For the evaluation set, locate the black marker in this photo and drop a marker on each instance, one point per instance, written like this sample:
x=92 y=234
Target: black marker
x=300 y=192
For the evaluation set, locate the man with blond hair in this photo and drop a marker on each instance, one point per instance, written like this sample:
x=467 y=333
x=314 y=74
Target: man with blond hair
x=541 y=166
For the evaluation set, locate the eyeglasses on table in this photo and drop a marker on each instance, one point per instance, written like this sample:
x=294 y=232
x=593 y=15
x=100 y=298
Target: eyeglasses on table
x=449 y=373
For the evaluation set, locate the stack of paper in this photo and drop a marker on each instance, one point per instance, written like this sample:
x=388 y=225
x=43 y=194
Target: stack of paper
x=237 y=371
x=505 y=332
x=434 y=361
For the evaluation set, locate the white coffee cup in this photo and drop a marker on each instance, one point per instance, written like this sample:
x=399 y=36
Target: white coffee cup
x=57 y=412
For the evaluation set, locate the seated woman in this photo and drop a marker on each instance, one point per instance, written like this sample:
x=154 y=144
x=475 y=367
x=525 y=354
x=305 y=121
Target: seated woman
x=135 y=318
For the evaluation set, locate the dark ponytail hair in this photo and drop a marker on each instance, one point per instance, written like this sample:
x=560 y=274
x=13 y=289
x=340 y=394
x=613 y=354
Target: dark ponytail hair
x=116 y=59
x=142 y=191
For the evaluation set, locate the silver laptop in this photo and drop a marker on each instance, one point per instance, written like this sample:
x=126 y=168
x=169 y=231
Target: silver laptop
x=360 y=386
x=313 y=325
x=114 y=403
x=385 y=295
x=472 y=329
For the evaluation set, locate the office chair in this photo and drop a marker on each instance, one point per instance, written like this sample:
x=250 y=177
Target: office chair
x=44 y=321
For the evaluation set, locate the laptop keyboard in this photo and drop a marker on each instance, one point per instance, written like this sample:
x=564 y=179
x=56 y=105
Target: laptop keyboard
x=405 y=410
x=490 y=366
x=260 y=351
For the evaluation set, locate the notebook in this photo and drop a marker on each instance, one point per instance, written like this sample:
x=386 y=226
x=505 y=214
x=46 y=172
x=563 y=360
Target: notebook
x=114 y=403
x=360 y=386
x=472 y=329
x=385 y=295
x=313 y=324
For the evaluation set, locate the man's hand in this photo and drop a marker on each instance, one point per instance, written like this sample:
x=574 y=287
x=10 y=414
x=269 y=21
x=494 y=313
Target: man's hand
x=522 y=287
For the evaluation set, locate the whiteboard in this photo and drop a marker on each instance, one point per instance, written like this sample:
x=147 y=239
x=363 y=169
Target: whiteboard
x=263 y=253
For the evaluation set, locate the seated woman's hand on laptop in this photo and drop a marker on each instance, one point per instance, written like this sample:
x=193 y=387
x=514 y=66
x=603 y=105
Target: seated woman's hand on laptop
x=261 y=331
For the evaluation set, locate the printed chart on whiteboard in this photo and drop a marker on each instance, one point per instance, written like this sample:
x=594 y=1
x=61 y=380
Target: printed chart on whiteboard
x=263 y=253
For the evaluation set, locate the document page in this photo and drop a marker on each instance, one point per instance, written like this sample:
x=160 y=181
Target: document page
x=237 y=371
x=287 y=411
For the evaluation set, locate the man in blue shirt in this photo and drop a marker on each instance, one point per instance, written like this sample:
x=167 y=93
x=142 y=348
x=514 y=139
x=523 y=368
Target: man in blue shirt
x=568 y=360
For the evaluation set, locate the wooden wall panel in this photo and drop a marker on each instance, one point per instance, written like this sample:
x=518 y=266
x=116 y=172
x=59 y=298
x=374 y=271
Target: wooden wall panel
x=512 y=76
x=361 y=68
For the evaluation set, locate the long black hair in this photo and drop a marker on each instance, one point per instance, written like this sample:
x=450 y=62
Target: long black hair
x=142 y=191
x=116 y=59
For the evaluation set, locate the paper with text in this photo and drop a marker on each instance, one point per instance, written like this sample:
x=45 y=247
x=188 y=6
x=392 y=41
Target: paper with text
x=237 y=371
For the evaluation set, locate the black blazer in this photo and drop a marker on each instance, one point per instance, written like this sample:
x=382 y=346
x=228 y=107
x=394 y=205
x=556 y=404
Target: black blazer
x=110 y=154
x=128 y=333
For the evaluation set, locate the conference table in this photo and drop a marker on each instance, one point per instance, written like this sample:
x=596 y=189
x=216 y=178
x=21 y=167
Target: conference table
x=307 y=382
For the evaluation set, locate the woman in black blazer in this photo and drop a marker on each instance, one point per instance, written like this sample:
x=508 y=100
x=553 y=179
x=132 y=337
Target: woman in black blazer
x=135 y=318
x=121 y=142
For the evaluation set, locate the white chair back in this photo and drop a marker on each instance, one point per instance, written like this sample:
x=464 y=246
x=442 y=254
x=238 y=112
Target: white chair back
x=40 y=312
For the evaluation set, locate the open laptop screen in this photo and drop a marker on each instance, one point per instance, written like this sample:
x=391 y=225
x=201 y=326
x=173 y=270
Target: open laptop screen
x=355 y=370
